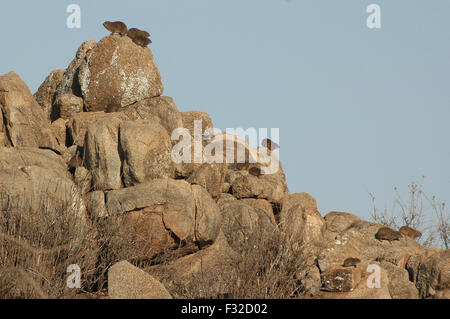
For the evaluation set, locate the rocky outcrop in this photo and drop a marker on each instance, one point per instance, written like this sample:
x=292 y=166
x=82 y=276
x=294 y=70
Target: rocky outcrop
x=95 y=142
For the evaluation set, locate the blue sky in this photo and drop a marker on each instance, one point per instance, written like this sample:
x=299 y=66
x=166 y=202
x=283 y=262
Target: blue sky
x=359 y=110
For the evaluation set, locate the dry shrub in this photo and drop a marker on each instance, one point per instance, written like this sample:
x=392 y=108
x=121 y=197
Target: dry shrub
x=269 y=265
x=427 y=215
x=37 y=247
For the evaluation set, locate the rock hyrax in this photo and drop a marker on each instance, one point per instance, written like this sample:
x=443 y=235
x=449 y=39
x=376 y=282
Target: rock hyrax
x=142 y=41
x=140 y=37
x=410 y=232
x=255 y=171
x=135 y=32
x=242 y=166
x=386 y=233
x=116 y=27
x=269 y=144
x=351 y=262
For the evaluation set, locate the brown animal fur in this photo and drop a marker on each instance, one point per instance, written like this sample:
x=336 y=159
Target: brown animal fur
x=386 y=233
x=255 y=171
x=142 y=41
x=116 y=27
x=134 y=32
x=351 y=262
x=242 y=166
x=269 y=144
x=140 y=37
x=409 y=232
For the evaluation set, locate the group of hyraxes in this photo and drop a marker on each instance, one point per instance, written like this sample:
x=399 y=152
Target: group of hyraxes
x=140 y=37
x=389 y=234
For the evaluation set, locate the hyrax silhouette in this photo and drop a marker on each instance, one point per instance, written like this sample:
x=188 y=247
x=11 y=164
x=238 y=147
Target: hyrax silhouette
x=116 y=27
x=242 y=166
x=140 y=37
x=386 y=233
x=351 y=262
x=255 y=171
x=135 y=32
x=142 y=41
x=410 y=232
x=269 y=144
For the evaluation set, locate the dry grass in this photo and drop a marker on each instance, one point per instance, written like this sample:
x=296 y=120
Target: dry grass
x=36 y=249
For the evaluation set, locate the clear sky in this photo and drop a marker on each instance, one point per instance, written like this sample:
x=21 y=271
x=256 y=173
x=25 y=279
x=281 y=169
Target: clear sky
x=359 y=110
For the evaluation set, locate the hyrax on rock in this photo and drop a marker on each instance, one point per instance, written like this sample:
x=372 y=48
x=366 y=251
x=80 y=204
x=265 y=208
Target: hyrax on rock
x=351 y=262
x=255 y=171
x=269 y=144
x=140 y=37
x=142 y=41
x=135 y=32
x=410 y=232
x=116 y=27
x=386 y=233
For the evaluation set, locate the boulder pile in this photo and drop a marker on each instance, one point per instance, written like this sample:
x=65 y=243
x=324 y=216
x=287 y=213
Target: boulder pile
x=95 y=141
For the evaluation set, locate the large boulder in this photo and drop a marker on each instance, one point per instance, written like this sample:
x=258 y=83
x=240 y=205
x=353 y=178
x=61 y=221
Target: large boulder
x=66 y=105
x=126 y=281
x=24 y=122
x=430 y=271
x=270 y=185
x=146 y=152
x=70 y=82
x=196 y=158
x=28 y=189
x=210 y=176
x=46 y=92
x=242 y=221
x=101 y=154
x=301 y=220
x=117 y=73
x=400 y=287
x=29 y=156
x=77 y=125
x=341 y=279
x=188 y=213
x=162 y=107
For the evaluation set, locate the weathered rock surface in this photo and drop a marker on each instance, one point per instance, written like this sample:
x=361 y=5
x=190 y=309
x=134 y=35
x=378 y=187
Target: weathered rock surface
x=341 y=279
x=66 y=105
x=189 y=213
x=430 y=271
x=126 y=281
x=24 y=122
x=46 y=92
x=146 y=152
x=210 y=176
x=101 y=154
x=161 y=107
x=27 y=189
x=77 y=125
x=301 y=220
x=70 y=82
x=241 y=220
x=117 y=73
